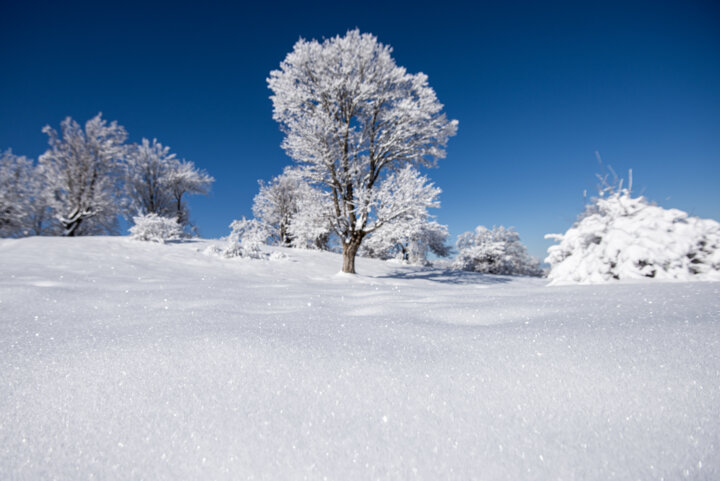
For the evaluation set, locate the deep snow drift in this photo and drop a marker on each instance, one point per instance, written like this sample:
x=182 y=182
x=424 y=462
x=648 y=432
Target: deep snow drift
x=129 y=360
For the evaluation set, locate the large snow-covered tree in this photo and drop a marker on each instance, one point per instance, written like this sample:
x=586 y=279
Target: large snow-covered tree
x=83 y=170
x=495 y=251
x=351 y=116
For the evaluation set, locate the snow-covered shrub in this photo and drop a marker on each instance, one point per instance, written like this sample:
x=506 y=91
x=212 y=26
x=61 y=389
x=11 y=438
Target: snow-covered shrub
x=152 y=227
x=246 y=239
x=277 y=256
x=624 y=237
x=496 y=251
x=408 y=239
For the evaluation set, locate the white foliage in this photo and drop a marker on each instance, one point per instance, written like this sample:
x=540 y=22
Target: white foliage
x=495 y=251
x=625 y=237
x=186 y=179
x=15 y=194
x=246 y=239
x=152 y=227
x=83 y=170
x=157 y=181
x=409 y=240
x=403 y=195
x=149 y=166
x=349 y=115
x=292 y=210
x=402 y=227
x=311 y=226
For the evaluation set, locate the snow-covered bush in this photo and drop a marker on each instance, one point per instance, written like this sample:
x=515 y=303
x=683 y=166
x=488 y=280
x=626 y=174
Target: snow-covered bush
x=409 y=240
x=246 y=239
x=496 y=251
x=152 y=227
x=624 y=237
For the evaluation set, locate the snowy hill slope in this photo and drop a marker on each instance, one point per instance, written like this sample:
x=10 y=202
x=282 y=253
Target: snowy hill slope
x=128 y=360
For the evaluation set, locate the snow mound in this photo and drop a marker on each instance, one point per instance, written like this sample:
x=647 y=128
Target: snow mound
x=621 y=237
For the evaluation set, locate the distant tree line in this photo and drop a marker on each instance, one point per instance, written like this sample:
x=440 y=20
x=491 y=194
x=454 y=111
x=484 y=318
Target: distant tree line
x=91 y=177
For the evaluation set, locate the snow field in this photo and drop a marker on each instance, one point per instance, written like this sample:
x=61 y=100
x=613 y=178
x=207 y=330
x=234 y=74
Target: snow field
x=130 y=360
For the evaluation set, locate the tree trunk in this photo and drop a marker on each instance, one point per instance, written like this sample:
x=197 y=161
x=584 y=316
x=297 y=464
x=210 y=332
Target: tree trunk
x=349 y=251
x=70 y=228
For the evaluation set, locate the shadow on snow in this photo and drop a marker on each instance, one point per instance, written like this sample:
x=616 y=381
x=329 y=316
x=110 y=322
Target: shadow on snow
x=449 y=276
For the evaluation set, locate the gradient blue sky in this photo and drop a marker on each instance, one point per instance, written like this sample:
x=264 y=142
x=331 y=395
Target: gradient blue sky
x=538 y=87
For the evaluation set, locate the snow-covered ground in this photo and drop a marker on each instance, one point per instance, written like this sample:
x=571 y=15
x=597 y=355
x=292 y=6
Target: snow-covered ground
x=129 y=360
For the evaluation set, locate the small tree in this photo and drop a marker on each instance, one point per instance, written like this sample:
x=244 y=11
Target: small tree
x=311 y=226
x=185 y=179
x=351 y=116
x=295 y=213
x=277 y=202
x=246 y=238
x=83 y=171
x=496 y=251
x=148 y=168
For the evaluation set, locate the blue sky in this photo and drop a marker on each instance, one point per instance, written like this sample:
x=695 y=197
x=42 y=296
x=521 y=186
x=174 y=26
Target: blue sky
x=537 y=88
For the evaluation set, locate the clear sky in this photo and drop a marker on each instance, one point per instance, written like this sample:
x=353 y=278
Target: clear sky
x=538 y=87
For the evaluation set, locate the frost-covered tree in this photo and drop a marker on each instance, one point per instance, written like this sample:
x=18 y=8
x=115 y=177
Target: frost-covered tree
x=351 y=116
x=495 y=251
x=410 y=240
x=155 y=228
x=413 y=235
x=311 y=226
x=185 y=179
x=41 y=218
x=277 y=202
x=157 y=181
x=149 y=165
x=16 y=174
x=246 y=238
x=24 y=203
x=620 y=236
x=83 y=171
x=295 y=213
